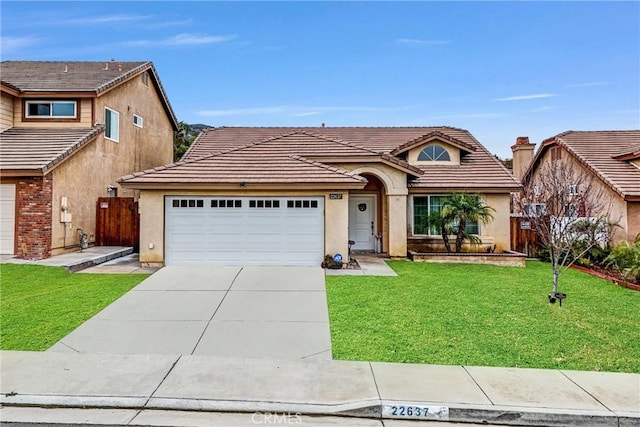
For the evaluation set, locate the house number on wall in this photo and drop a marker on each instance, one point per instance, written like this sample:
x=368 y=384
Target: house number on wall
x=335 y=196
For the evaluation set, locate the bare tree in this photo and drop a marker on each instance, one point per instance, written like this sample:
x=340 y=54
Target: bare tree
x=569 y=211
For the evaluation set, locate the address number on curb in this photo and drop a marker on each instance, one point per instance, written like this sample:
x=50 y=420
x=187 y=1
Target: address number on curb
x=416 y=411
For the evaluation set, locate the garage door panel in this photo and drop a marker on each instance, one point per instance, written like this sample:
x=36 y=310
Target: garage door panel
x=7 y=218
x=251 y=231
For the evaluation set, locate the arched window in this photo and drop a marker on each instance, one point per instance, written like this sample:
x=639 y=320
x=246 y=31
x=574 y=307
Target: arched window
x=432 y=153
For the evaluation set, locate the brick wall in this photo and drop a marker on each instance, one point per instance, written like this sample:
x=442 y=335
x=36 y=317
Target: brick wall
x=34 y=196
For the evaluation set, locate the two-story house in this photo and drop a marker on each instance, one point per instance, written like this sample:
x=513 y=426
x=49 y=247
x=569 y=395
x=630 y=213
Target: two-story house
x=68 y=131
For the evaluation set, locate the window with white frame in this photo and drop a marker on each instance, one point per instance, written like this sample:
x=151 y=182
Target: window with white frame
x=137 y=120
x=535 y=209
x=573 y=189
x=51 y=109
x=422 y=206
x=111 y=124
x=432 y=153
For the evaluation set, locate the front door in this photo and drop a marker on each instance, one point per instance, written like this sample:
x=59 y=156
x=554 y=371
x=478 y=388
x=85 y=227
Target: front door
x=362 y=222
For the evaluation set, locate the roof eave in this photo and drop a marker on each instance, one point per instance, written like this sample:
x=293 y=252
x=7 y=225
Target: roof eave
x=240 y=186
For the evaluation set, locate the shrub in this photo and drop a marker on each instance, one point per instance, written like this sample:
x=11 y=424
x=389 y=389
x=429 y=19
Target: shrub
x=625 y=259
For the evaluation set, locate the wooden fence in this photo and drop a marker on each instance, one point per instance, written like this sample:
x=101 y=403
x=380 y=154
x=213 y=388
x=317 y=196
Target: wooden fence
x=524 y=238
x=117 y=222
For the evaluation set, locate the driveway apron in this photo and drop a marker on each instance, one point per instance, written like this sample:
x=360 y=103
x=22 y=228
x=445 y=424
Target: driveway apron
x=253 y=311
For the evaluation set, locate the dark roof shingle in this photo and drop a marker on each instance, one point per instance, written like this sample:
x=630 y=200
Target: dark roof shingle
x=37 y=150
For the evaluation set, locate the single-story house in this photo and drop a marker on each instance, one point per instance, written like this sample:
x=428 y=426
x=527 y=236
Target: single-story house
x=291 y=195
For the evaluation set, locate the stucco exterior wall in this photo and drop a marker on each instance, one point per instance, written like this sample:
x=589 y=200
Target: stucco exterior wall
x=151 y=207
x=6 y=111
x=85 y=176
x=138 y=148
x=633 y=220
x=84 y=109
x=613 y=204
x=499 y=229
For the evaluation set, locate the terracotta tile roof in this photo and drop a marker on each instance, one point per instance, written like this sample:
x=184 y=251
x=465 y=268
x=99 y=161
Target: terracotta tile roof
x=597 y=150
x=50 y=76
x=77 y=76
x=37 y=150
x=479 y=170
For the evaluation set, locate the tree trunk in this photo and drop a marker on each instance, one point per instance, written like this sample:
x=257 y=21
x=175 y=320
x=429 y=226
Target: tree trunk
x=460 y=236
x=445 y=238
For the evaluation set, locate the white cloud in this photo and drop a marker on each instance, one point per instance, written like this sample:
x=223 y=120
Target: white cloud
x=587 y=84
x=107 y=19
x=307 y=113
x=242 y=111
x=10 y=45
x=184 y=39
x=165 y=24
x=422 y=42
x=526 y=97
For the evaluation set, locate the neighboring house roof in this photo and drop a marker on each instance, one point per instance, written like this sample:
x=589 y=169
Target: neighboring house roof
x=35 y=151
x=77 y=76
x=478 y=169
x=605 y=153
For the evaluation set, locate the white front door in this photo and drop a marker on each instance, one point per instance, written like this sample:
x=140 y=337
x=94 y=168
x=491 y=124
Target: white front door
x=7 y=218
x=362 y=222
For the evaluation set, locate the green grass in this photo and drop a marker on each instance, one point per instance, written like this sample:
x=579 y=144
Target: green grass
x=40 y=305
x=462 y=314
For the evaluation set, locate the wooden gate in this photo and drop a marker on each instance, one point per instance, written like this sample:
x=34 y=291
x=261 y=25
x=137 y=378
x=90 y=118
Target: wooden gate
x=117 y=222
x=524 y=238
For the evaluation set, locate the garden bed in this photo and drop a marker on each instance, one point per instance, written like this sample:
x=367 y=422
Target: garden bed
x=607 y=275
x=506 y=258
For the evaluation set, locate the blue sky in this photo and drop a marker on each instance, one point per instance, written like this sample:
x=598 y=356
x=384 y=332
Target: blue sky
x=498 y=69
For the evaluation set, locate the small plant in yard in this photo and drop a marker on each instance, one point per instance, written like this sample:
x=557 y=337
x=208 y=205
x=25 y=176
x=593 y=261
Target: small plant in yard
x=457 y=210
x=625 y=259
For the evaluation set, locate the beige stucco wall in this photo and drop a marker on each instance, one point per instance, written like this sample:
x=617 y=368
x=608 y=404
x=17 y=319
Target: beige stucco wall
x=6 y=111
x=499 y=229
x=85 y=176
x=496 y=232
x=394 y=212
x=613 y=204
x=84 y=108
x=454 y=154
x=151 y=208
x=633 y=220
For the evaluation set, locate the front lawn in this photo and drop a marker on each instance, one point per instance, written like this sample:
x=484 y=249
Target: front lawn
x=40 y=305
x=462 y=314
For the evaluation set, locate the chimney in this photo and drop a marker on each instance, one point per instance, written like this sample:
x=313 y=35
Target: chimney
x=522 y=155
x=120 y=67
x=323 y=125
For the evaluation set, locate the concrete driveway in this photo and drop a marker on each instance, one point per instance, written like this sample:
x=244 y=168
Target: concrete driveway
x=274 y=312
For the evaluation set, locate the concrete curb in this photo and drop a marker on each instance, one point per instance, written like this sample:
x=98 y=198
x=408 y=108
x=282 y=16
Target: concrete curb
x=81 y=265
x=514 y=416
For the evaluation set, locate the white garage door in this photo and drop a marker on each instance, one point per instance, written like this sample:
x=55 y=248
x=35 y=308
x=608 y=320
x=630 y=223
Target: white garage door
x=244 y=230
x=7 y=218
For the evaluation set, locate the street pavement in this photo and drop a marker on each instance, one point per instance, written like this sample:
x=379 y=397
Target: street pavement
x=251 y=311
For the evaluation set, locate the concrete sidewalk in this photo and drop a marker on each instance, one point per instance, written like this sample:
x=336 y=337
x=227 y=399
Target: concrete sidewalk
x=366 y=390
x=78 y=260
x=252 y=311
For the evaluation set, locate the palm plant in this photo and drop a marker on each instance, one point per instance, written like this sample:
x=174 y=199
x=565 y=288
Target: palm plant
x=460 y=209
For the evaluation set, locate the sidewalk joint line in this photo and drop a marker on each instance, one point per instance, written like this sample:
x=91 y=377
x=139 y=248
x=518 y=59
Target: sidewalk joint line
x=161 y=382
x=581 y=388
x=216 y=310
x=68 y=346
x=375 y=382
x=476 y=383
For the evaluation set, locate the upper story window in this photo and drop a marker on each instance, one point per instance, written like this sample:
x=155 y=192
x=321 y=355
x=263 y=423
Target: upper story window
x=111 y=124
x=432 y=153
x=137 y=120
x=51 y=109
